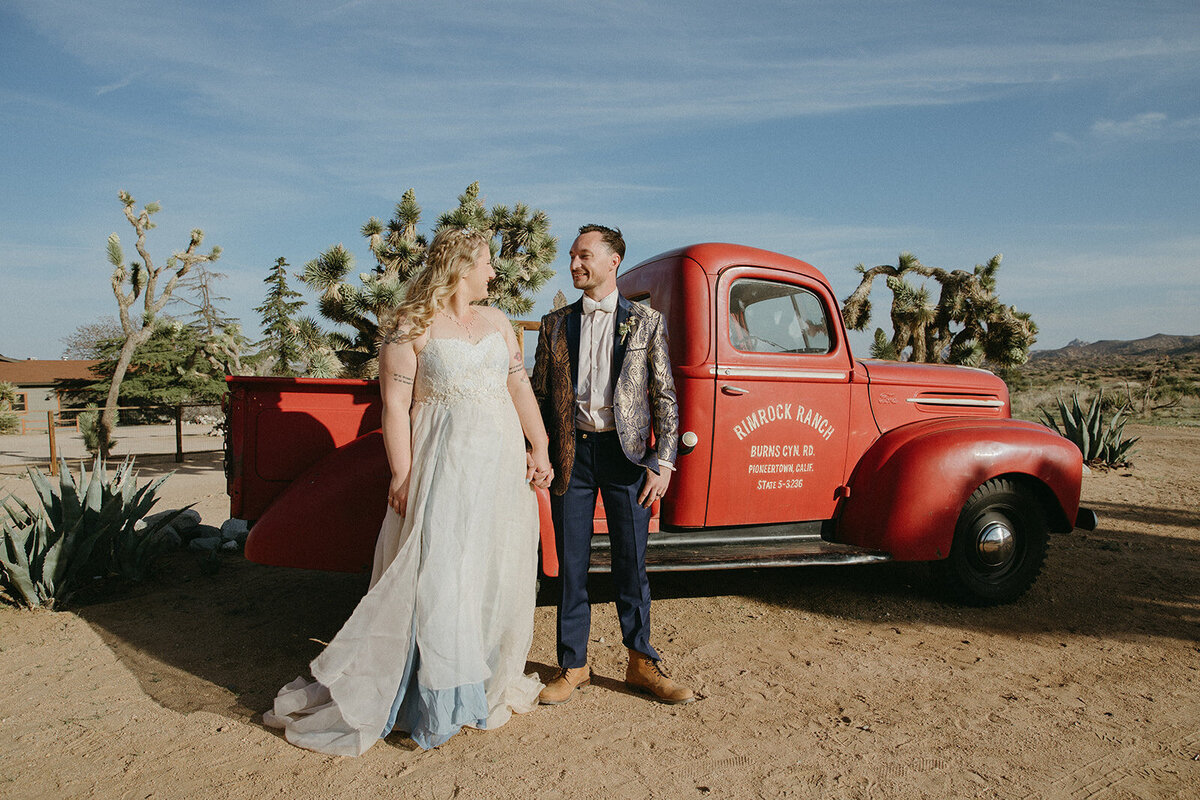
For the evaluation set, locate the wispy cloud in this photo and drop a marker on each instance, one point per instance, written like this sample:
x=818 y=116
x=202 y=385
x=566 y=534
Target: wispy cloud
x=112 y=87
x=1149 y=126
x=1143 y=126
x=836 y=132
x=708 y=67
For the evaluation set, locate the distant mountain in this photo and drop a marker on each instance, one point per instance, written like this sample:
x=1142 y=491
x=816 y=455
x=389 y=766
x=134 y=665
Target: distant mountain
x=1160 y=344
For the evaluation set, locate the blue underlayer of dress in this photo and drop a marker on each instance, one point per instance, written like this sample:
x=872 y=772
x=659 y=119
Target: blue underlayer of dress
x=432 y=716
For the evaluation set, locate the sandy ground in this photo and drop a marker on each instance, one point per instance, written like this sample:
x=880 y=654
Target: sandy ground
x=848 y=682
x=20 y=451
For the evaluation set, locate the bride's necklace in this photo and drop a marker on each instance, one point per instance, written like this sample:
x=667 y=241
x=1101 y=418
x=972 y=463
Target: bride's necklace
x=465 y=326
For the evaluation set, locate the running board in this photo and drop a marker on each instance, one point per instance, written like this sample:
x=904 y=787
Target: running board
x=740 y=548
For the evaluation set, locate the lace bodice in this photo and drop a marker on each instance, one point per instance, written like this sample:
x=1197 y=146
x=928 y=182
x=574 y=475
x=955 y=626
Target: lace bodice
x=451 y=371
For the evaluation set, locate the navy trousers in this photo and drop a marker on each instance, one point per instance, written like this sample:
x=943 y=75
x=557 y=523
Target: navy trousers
x=601 y=466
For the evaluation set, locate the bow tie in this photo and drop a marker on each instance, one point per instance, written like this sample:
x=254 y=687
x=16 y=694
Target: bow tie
x=608 y=305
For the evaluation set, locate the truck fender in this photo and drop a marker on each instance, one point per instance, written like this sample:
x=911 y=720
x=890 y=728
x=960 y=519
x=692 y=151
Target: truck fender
x=907 y=491
x=329 y=517
x=546 y=534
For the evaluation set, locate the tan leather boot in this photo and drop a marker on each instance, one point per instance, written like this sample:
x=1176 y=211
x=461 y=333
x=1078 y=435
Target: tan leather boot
x=563 y=685
x=648 y=675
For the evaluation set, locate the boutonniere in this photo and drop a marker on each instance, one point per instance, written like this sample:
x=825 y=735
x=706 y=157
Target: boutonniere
x=627 y=327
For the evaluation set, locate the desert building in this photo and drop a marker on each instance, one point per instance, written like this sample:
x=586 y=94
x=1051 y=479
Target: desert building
x=44 y=385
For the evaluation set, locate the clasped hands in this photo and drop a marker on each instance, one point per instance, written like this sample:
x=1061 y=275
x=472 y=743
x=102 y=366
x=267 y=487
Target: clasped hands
x=538 y=471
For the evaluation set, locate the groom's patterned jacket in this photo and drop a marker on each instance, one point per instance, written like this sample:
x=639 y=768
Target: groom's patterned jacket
x=643 y=391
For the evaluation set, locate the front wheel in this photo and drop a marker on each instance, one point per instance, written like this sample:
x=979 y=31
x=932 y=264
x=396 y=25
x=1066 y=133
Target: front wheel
x=999 y=546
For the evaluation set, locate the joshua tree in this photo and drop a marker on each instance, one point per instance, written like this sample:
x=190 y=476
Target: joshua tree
x=521 y=259
x=140 y=281
x=987 y=330
x=525 y=251
x=224 y=347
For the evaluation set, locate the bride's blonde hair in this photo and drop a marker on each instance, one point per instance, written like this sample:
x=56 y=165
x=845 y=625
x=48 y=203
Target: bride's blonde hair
x=451 y=255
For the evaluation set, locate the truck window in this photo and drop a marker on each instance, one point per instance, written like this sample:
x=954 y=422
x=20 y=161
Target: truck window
x=772 y=317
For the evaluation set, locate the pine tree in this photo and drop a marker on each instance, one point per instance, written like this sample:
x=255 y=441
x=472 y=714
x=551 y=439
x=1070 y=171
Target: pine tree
x=282 y=343
x=205 y=316
x=220 y=339
x=988 y=332
x=169 y=368
x=521 y=259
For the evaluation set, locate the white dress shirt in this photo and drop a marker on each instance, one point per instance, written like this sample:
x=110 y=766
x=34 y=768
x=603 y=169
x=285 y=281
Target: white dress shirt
x=594 y=386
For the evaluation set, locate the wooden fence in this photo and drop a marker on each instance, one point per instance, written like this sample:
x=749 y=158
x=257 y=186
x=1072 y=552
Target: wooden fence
x=56 y=420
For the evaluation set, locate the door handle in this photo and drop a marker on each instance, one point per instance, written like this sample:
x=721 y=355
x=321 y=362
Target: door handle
x=733 y=390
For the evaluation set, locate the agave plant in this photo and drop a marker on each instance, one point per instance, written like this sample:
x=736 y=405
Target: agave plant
x=82 y=530
x=1100 y=443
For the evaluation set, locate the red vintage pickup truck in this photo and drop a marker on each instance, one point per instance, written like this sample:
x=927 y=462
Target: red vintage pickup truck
x=792 y=451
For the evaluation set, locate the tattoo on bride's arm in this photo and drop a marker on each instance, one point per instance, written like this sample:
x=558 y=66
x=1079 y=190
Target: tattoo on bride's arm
x=396 y=376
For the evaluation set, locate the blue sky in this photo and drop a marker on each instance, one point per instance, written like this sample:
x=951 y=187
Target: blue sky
x=1064 y=135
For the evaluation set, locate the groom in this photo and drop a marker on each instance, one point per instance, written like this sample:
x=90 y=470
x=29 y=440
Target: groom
x=603 y=380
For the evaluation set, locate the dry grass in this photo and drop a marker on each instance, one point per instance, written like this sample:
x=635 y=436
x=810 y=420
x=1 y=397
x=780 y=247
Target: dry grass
x=1161 y=389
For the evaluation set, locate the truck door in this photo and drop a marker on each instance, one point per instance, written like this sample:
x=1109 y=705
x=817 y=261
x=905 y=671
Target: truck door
x=782 y=400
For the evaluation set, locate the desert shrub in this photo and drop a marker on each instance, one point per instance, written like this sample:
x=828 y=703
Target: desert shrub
x=1110 y=402
x=9 y=421
x=1027 y=404
x=83 y=530
x=95 y=436
x=1100 y=443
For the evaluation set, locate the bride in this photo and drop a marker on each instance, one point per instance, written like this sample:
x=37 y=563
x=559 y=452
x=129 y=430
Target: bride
x=441 y=637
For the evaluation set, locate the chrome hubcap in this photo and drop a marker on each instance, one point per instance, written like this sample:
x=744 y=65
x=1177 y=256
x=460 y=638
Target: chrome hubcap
x=995 y=544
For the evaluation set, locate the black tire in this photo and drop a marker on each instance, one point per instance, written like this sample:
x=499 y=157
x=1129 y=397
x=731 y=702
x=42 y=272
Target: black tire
x=999 y=546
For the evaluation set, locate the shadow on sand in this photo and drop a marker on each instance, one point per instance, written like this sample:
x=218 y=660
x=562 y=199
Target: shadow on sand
x=225 y=642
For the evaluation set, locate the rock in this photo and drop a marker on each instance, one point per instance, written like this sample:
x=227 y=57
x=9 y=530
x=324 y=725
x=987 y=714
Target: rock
x=155 y=517
x=174 y=538
x=205 y=543
x=230 y=545
x=188 y=519
x=184 y=527
x=235 y=530
x=202 y=532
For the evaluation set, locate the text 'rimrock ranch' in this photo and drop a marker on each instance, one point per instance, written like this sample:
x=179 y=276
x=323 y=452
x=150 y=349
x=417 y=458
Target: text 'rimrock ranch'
x=784 y=411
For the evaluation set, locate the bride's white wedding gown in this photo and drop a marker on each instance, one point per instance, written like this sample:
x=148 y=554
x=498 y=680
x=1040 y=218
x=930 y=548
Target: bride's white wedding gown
x=441 y=637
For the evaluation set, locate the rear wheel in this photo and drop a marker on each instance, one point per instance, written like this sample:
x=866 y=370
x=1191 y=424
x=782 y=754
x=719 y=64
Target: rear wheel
x=999 y=545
